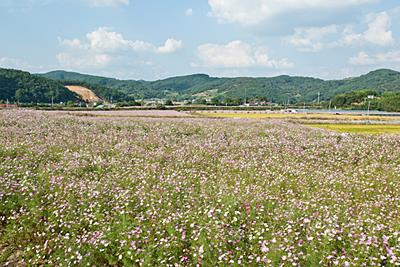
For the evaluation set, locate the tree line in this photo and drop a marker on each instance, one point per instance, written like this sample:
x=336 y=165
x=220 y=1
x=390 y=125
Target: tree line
x=386 y=101
x=22 y=87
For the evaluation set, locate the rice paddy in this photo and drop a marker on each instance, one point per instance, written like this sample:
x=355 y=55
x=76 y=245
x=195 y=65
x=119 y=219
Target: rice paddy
x=360 y=128
x=295 y=116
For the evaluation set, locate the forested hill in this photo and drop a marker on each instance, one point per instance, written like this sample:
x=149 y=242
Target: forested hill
x=276 y=89
x=23 y=87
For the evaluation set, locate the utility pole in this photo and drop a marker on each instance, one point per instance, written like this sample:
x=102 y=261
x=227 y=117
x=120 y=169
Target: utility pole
x=369 y=106
x=330 y=105
x=52 y=100
x=369 y=103
x=319 y=96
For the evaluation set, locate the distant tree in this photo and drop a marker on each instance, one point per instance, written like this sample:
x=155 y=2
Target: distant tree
x=390 y=102
x=161 y=107
x=263 y=98
x=352 y=98
x=236 y=101
x=24 y=96
x=169 y=102
x=201 y=101
x=71 y=104
x=215 y=101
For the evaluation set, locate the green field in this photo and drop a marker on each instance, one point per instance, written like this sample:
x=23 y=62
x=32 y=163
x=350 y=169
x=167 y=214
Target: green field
x=360 y=128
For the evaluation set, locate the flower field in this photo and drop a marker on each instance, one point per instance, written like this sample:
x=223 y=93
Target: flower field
x=88 y=191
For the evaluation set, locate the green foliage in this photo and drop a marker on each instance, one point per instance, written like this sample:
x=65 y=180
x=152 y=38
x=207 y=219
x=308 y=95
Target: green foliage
x=235 y=101
x=352 y=98
x=169 y=102
x=23 y=87
x=390 y=102
x=128 y=104
x=201 y=101
x=216 y=101
x=281 y=89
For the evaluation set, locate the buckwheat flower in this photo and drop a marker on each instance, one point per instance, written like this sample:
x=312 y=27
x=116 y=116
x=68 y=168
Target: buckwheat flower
x=201 y=250
x=264 y=248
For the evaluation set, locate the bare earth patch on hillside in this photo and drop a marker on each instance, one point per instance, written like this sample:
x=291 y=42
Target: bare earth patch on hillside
x=85 y=93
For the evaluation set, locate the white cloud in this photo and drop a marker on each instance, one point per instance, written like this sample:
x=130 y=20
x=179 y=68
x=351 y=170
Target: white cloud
x=378 y=32
x=316 y=38
x=170 y=46
x=102 y=46
x=189 y=12
x=103 y=40
x=363 y=59
x=311 y=39
x=252 y=12
x=238 y=54
x=107 y=3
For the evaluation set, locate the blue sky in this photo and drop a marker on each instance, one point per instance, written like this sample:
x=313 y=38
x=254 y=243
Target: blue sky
x=154 y=39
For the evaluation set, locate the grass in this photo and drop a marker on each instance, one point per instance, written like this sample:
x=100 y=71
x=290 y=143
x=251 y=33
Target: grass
x=360 y=128
x=250 y=115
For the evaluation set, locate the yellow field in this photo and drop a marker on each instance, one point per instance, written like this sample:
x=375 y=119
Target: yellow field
x=359 y=128
x=252 y=115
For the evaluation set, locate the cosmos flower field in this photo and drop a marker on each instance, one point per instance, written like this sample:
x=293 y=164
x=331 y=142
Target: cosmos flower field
x=100 y=191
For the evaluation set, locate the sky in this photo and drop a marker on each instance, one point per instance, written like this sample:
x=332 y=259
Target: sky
x=155 y=39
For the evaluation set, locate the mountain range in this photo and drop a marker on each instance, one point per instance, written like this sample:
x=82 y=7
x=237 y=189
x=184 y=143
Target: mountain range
x=25 y=87
x=277 y=89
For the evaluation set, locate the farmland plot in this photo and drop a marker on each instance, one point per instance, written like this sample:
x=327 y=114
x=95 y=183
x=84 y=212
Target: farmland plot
x=187 y=192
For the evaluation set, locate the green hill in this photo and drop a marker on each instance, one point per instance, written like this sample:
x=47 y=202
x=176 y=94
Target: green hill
x=382 y=80
x=23 y=87
x=276 y=89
